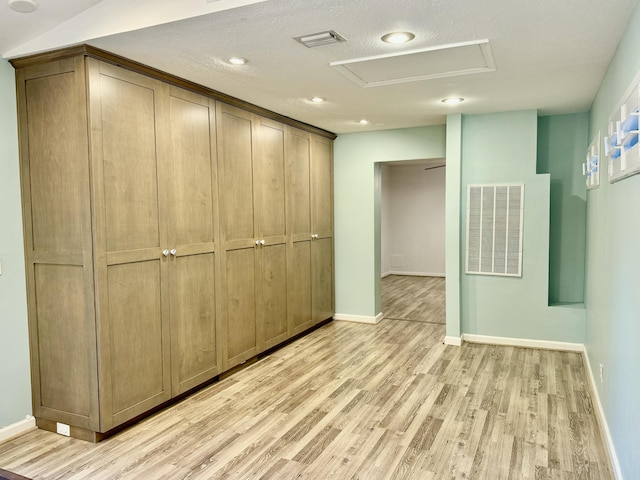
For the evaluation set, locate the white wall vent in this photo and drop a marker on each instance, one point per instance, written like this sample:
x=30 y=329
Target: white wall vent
x=494 y=229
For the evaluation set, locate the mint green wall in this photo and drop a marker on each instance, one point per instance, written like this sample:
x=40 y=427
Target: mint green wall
x=562 y=145
x=501 y=148
x=15 y=386
x=452 y=225
x=357 y=261
x=377 y=233
x=613 y=269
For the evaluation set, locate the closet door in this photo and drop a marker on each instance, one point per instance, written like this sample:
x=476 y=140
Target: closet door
x=238 y=236
x=130 y=235
x=195 y=356
x=298 y=161
x=270 y=208
x=322 y=226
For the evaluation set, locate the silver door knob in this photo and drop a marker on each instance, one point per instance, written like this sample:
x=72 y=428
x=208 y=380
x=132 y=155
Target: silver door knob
x=257 y=242
x=165 y=252
x=173 y=252
x=262 y=242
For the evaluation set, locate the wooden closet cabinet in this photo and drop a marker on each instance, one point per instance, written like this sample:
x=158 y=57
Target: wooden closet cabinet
x=120 y=215
x=170 y=235
x=254 y=237
x=310 y=205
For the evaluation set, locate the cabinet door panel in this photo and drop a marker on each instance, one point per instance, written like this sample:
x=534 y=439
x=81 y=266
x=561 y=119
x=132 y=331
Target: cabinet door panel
x=57 y=168
x=322 y=271
x=299 y=282
x=269 y=184
x=298 y=158
x=240 y=298
x=192 y=178
x=235 y=164
x=63 y=344
x=129 y=164
x=193 y=321
x=137 y=338
x=322 y=187
x=273 y=285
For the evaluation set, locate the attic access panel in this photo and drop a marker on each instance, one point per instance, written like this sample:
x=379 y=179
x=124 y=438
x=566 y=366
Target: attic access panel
x=415 y=65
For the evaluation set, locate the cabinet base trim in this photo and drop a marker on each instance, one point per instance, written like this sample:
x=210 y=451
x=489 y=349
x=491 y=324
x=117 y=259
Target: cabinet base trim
x=358 y=318
x=17 y=429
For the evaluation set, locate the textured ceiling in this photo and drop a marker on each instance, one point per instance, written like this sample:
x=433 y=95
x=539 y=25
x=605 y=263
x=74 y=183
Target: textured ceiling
x=549 y=55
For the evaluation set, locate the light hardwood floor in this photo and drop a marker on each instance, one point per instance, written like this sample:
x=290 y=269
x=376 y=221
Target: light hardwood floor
x=420 y=299
x=356 y=401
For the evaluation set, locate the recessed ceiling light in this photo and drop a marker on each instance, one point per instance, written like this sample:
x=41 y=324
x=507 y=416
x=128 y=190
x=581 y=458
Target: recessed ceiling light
x=364 y=121
x=452 y=100
x=23 y=6
x=398 y=37
x=237 y=61
x=317 y=99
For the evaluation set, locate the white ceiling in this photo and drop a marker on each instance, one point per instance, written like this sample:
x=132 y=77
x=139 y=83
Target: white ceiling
x=549 y=55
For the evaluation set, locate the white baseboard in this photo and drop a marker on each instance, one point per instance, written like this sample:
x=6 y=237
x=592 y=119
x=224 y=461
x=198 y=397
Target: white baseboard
x=602 y=419
x=358 y=318
x=412 y=274
x=18 y=428
x=455 y=341
x=523 y=342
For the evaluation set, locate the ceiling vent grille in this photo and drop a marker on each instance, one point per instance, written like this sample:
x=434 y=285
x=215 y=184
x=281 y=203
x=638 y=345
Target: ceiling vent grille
x=320 y=38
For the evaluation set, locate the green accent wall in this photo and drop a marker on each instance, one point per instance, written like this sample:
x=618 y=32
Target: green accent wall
x=562 y=146
x=453 y=251
x=613 y=264
x=15 y=384
x=357 y=207
x=501 y=148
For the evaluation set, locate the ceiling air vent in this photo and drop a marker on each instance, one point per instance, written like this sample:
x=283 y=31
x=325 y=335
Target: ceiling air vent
x=320 y=38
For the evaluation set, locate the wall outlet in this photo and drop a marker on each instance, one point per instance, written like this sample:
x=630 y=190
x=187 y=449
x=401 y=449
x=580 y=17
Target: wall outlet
x=63 y=429
x=601 y=373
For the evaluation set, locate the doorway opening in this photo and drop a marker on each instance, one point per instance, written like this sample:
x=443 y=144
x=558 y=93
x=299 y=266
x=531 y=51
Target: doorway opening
x=411 y=219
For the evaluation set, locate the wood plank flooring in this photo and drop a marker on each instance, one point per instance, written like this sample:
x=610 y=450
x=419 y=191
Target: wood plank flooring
x=356 y=401
x=420 y=299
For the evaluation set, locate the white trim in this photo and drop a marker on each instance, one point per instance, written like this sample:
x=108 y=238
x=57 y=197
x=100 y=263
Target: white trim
x=18 y=428
x=602 y=419
x=413 y=274
x=358 y=318
x=455 y=341
x=524 y=342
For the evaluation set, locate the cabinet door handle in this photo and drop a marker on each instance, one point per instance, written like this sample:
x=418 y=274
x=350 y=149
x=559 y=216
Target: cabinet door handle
x=262 y=242
x=165 y=252
x=174 y=251
x=257 y=242
x=314 y=236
